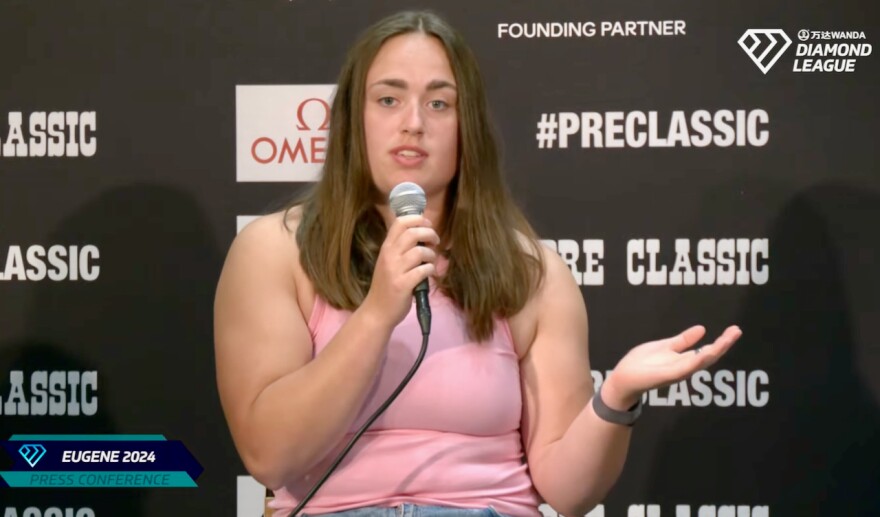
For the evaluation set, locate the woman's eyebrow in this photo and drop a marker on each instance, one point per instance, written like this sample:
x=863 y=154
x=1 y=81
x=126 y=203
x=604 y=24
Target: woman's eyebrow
x=436 y=84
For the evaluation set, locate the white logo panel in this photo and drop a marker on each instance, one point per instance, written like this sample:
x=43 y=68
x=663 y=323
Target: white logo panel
x=281 y=131
x=250 y=497
x=243 y=220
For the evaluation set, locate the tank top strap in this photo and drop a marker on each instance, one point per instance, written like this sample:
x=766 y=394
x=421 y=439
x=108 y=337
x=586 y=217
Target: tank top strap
x=318 y=309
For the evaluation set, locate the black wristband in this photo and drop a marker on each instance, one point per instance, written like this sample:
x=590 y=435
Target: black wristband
x=627 y=418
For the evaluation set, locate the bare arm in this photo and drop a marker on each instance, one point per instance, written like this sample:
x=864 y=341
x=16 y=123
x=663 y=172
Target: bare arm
x=286 y=410
x=574 y=456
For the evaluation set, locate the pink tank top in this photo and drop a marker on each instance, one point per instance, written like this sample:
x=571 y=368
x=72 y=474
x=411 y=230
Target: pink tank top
x=452 y=436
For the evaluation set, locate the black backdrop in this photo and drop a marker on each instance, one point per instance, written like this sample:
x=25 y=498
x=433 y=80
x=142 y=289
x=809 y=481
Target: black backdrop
x=788 y=425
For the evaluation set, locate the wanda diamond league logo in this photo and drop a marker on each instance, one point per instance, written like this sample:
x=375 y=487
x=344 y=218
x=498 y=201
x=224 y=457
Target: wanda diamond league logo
x=32 y=453
x=764 y=46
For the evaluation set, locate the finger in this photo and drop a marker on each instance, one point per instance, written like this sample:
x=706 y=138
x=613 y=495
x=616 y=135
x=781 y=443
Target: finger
x=417 y=274
x=403 y=223
x=416 y=256
x=701 y=358
x=710 y=353
x=401 y=239
x=686 y=339
x=413 y=220
x=415 y=236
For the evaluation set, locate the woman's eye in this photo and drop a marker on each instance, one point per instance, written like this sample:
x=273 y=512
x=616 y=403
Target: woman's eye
x=439 y=105
x=386 y=101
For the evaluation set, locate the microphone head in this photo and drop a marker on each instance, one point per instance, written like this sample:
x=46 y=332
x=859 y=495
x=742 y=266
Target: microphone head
x=407 y=198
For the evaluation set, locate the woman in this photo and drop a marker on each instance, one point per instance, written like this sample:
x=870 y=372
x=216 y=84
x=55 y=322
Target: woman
x=315 y=326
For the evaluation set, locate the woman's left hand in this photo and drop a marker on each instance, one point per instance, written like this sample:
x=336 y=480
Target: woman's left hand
x=663 y=362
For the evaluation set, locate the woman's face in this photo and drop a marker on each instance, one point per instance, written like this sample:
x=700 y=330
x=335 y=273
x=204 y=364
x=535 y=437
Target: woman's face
x=410 y=116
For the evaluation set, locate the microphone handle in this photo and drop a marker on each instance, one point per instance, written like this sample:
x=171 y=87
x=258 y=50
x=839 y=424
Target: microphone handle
x=423 y=308
x=423 y=285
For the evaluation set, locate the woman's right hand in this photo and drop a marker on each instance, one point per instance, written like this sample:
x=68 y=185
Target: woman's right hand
x=401 y=265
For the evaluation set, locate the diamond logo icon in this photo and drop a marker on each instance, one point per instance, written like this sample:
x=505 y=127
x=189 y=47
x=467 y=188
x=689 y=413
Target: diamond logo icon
x=32 y=453
x=764 y=46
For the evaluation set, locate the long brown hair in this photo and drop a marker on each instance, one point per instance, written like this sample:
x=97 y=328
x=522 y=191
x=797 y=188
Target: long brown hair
x=495 y=261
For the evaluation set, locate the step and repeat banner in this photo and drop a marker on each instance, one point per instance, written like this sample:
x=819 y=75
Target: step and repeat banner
x=692 y=162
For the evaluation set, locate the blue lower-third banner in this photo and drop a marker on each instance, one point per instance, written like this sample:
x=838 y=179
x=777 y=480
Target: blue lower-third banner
x=98 y=461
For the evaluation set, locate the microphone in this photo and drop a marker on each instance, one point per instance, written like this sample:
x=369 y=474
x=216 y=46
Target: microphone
x=407 y=198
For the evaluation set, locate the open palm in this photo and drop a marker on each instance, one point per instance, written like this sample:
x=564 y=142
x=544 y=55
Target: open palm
x=659 y=363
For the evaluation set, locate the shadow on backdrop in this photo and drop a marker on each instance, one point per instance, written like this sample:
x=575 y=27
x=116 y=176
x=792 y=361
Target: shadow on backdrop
x=814 y=448
x=146 y=326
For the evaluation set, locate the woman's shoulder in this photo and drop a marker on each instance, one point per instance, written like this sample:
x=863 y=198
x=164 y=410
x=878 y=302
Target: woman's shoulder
x=533 y=247
x=265 y=253
x=277 y=229
x=552 y=273
x=268 y=241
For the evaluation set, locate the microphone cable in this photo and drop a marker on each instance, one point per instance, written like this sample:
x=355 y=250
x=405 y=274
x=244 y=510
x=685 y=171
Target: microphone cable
x=406 y=198
x=367 y=424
